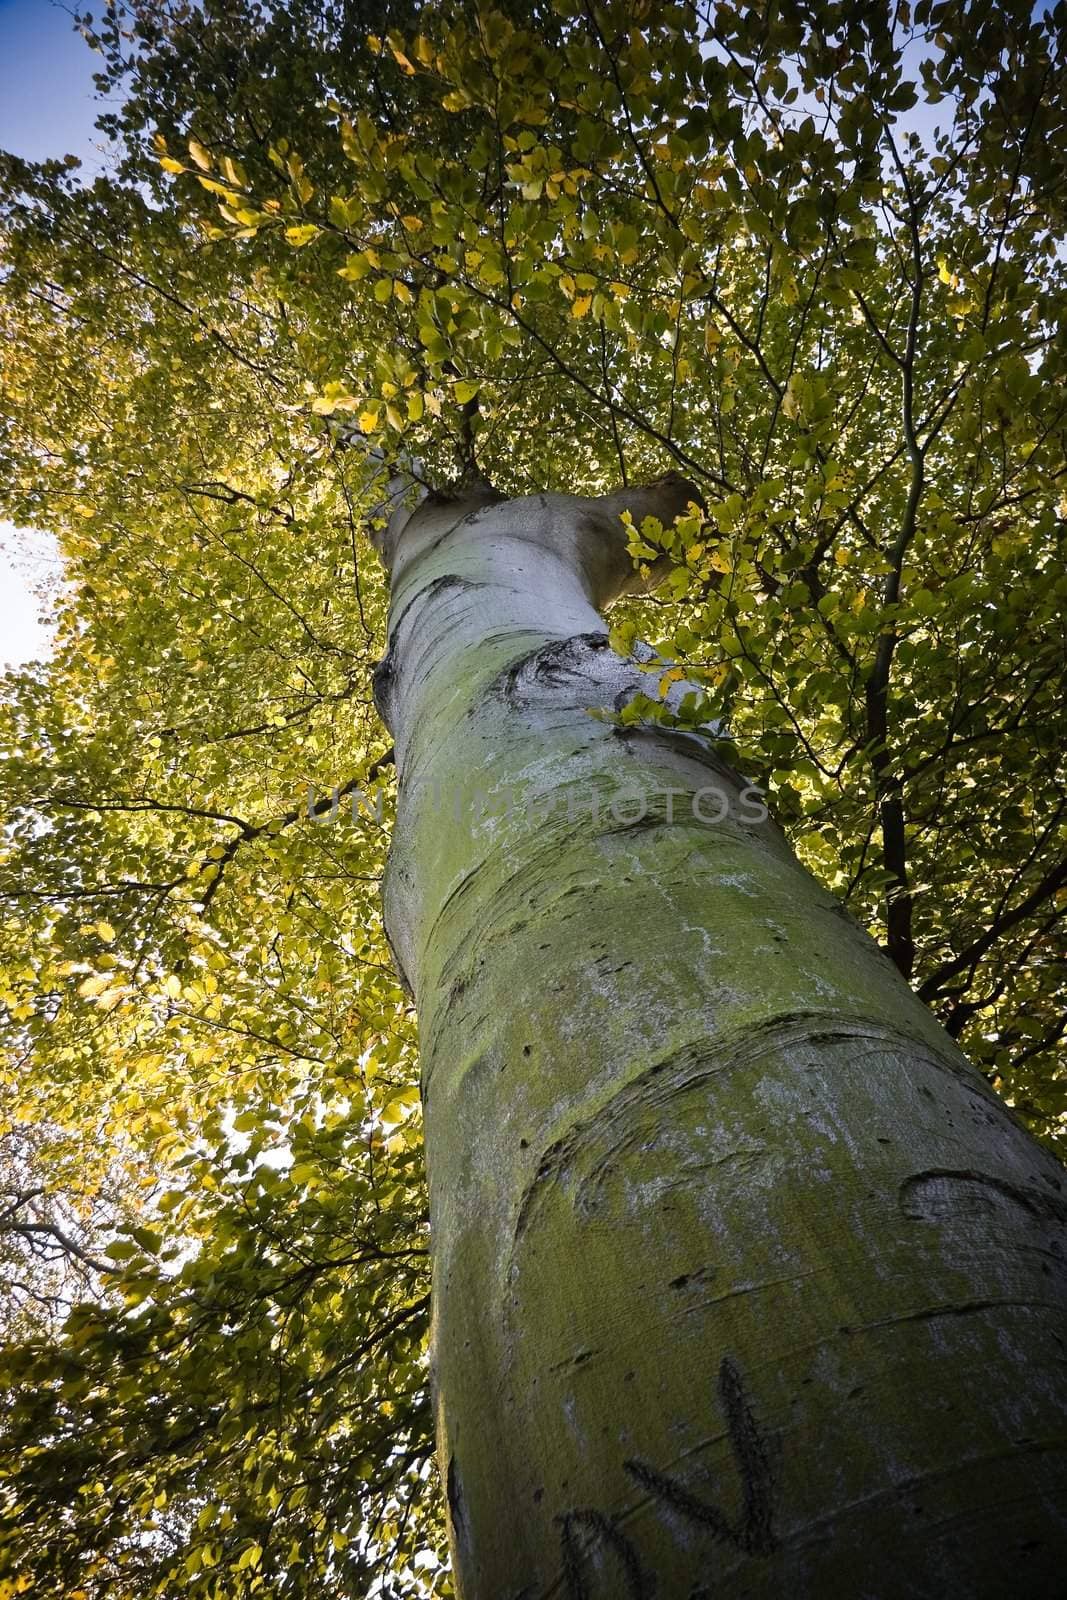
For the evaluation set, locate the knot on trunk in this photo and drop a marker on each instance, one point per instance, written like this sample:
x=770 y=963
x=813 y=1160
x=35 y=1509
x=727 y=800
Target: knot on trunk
x=583 y=656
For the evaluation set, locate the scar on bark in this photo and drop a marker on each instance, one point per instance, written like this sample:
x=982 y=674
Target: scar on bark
x=405 y=981
x=457 y=1507
x=384 y=675
x=753 y=1531
x=382 y=684
x=699 y=746
x=680 y=1070
x=943 y=1193
x=549 y=664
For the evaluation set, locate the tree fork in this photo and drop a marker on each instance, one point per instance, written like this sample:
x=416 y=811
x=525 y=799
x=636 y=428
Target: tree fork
x=745 y=1282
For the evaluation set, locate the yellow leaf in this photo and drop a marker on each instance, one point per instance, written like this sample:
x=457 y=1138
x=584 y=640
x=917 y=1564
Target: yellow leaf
x=303 y=233
x=368 y=420
x=104 y=931
x=580 y=308
x=235 y=172
x=401 y=60
x=170 y=165
x=201 y=156
x=215 y=187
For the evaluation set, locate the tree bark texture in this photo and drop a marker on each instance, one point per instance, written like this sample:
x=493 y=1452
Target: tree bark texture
x=745 y=1282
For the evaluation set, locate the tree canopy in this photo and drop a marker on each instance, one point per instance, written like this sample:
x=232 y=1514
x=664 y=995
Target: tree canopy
x=808 y=255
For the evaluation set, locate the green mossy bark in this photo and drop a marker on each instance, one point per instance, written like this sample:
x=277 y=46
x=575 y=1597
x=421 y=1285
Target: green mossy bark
x=745 y=1283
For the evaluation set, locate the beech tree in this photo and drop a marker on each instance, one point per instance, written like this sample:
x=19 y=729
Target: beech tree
x=395 y=350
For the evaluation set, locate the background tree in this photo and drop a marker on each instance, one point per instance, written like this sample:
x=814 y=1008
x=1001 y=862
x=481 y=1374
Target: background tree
x=576 y=246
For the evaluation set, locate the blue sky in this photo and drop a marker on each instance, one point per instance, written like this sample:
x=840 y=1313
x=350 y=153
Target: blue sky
x=47 y=103
x=47 y=108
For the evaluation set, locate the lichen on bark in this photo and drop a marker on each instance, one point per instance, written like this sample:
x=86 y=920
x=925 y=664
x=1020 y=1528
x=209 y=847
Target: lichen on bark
x=743 y=1278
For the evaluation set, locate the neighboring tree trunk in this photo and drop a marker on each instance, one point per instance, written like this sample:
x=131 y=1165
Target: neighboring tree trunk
x=745 y=1282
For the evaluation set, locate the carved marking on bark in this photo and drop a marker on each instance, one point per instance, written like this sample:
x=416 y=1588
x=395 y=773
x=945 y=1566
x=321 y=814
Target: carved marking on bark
x=637 y=1584
x=753 y=1532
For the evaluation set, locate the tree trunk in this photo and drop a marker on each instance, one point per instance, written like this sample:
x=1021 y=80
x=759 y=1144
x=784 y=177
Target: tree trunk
x=745 y=1283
